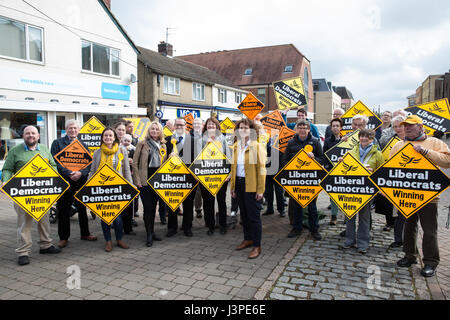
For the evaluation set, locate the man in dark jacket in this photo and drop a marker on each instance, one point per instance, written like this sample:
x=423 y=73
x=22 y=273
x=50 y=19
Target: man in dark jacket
x=301 y=139
x=187 y=148
x=76 y=180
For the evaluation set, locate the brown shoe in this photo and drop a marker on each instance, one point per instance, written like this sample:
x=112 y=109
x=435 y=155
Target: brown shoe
x=122 y=244
x=108 y=246
x=333 y=221
x=245 y=244
x=254 y=253
x=89 y=238
x=62 y=243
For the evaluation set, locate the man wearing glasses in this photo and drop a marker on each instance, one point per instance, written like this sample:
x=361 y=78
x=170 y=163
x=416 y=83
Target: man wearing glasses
x=185 y=147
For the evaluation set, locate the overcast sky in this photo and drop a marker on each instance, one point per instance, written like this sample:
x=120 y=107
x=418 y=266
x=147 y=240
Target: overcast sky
x=381 y=50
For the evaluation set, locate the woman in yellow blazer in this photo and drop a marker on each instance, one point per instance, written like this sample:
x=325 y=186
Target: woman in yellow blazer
x=248 y=175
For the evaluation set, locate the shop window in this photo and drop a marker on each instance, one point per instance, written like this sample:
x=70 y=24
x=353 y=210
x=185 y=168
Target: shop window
x=12 y=125
x=108 y=120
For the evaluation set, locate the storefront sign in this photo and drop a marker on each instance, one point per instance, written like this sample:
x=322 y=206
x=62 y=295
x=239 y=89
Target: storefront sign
x=410 y=180
x=74 y=157
x=289 y=93
x=173 y=182
x=273 y=122
x=301 y=178
x=36 y=187
x=107 y=194
x=140 y=127
x=115 y=91
x=181 y=113
x=349 y=186
x=250 y=106
x=435 y=115
x=342 y=147
x=211 y=167
x=359 y=109
x=227 y=126
x=387 y=149
x=283 y=138
x=91 y=134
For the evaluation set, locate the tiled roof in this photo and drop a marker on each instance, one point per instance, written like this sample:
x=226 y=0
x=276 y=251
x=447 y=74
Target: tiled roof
x=267 y=63
x=180 y=69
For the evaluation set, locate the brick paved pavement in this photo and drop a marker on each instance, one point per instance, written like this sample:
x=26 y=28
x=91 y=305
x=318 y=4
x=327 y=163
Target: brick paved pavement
x=204 y=267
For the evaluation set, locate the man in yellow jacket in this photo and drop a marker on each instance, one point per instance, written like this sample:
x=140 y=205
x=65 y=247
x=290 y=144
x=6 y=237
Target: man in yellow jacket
x=438 y=152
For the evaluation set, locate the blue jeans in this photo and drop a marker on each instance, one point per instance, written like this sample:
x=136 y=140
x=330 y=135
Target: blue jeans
x=118 y=227
x=361 y=237
x=298 y=215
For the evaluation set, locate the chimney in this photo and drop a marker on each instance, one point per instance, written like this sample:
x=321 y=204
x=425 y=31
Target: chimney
x=166 y=49
x=107 y=3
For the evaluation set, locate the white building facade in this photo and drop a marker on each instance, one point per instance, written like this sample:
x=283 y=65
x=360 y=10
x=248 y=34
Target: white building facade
x=61 y=60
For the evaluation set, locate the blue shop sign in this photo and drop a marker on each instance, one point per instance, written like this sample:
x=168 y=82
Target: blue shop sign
x=115 y=91
x=181 y=113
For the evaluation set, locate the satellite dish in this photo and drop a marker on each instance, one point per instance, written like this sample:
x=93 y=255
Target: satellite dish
x=133 y=78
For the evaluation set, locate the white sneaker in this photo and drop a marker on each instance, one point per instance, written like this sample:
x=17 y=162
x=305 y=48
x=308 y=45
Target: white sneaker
x=233 y=214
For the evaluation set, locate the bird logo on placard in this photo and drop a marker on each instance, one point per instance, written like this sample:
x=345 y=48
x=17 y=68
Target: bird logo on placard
x=301 y=163
x=348 y=168
x=173 y=167
x=436 y=108
x=92 y=128
x=35 y=170
x=407 y=160
x=353 y=142
x=105 y=178
x=295 y=84
x=357 y=111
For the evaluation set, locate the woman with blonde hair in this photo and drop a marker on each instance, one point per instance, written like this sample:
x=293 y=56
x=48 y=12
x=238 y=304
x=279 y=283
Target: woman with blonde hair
x=148 y=157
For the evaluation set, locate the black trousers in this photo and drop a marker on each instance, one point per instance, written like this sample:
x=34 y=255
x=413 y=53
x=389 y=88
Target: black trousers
x=271 y=185
x=149 y=200
x=250 y=210
x=162 y=208
x=209 y=206
x=127 y=217
x=188 y=214
x=64 y=207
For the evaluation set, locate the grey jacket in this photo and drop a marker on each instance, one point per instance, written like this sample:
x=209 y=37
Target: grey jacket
x=124 y=168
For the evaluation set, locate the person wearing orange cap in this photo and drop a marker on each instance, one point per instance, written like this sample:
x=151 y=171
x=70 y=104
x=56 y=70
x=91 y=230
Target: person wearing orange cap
x=438 y=152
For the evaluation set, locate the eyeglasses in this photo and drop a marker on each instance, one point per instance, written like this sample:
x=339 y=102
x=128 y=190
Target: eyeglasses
x=179 y=125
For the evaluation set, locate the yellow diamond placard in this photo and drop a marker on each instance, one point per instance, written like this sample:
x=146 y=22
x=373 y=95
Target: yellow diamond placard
x=90 y=134
x=435 y=115
x=301 y=178
x=211 y=167
x=107 y=194
x=359 y=108
x=342 y=147
x=387 y=149
x=140 y=127
x=36 y=187
x=349 y=186
x=173 y=182
x=167 y=131
x=273 y=122
x=410 y=180
x=289 y=93
x=227 y=126
x=250 y=106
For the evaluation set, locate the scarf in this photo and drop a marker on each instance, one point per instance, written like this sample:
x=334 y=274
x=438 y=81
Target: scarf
x=154 y=160
x=364 y=151
x=107 y=156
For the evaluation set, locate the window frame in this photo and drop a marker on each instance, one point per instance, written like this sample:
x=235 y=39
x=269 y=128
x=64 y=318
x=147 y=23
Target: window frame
x=222 y=95
x=248 y=73
x=195 y=87
x=291 y=68
x=176 y=80
x=27 y=44
x=238 y=96
x=91 y=70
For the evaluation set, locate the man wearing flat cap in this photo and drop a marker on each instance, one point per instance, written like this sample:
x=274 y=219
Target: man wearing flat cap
x=438 y=152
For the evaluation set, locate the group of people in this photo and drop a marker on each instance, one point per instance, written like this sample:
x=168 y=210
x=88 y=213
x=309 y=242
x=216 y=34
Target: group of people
x=254 y=163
